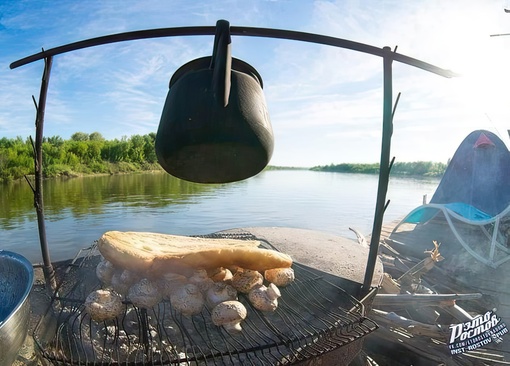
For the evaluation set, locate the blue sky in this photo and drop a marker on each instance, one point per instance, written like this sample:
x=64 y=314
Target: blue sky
x=325 y=103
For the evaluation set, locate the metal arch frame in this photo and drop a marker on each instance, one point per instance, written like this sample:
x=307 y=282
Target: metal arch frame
x=387 y=129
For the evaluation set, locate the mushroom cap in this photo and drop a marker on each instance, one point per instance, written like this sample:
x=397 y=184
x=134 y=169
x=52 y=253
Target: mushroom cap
x=187 y=299
x=103 y=305
x=245 y=279
x=219 y=292
x=144 y=294
x=220 y=274
x=122 y=280
x=104 y=271
x=273 y=292
x=229 y=314
x=170 y=282
x=201 y=279
x=280 y=276
x=264 y=299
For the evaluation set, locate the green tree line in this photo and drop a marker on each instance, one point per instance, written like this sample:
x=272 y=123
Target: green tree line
x=418 y=168
x=82 y=154
x=92 y=154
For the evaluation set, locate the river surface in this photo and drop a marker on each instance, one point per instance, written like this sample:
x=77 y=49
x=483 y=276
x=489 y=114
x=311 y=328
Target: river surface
x=79 y=210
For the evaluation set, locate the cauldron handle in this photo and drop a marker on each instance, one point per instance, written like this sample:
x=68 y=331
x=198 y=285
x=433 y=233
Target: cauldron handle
x=221 y=62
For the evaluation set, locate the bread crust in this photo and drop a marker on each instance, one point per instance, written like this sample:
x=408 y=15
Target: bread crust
x=155 y=254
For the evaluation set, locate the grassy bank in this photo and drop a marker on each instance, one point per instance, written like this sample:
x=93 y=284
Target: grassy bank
x=418 y=168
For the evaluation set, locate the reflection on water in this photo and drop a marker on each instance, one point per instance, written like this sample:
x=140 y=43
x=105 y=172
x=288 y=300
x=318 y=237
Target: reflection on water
x=79 y=210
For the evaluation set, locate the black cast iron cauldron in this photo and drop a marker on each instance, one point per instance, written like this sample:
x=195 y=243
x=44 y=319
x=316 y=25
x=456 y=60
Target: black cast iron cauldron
x=215 y=127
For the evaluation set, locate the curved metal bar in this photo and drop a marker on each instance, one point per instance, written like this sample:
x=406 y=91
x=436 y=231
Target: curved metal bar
x=339 y=42
x=114 y=38
x=239 y=31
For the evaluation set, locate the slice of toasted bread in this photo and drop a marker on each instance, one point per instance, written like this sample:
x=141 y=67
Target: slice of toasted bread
x=155 y=254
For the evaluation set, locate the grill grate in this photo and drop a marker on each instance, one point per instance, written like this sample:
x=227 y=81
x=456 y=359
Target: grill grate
x=316 y=314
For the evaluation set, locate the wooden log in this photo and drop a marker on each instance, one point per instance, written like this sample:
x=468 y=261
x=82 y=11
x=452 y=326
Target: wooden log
x=390 y=319
x=430 y=352
x=389 y=285
x=361 y=238
x=420 y=299
x=427 y=341
x=417 y=271
x=384 y=248
x=456 y=311
x=387 y=260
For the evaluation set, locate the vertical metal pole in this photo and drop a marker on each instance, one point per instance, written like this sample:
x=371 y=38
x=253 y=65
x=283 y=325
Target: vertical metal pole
x=49 y=273
x=384 y=169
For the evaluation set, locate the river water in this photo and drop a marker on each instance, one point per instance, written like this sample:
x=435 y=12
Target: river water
x=79 y=210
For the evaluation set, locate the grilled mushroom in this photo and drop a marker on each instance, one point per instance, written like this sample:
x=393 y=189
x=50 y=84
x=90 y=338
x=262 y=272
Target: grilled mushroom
x=144 y=294
x=219 y=292
x=265 y=298
x=103 y=305
x=201 y=279
x=170 y=282
x=105 y=271
x=187 y=299
x=220 y=274
x=229 y=314
x=245 y=279
x=122 y=281
x=280 y=276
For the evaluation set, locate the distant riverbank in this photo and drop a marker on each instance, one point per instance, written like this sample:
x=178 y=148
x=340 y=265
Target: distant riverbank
x=418 y=168
x=91 y=154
